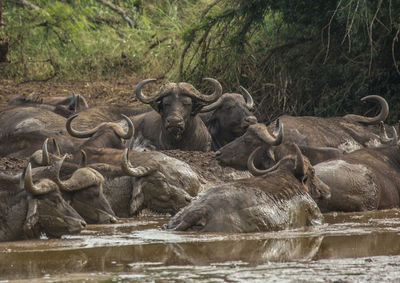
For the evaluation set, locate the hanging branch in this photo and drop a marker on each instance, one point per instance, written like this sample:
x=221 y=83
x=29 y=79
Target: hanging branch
x=119 y=11
x=395 y=39
x=25 y=3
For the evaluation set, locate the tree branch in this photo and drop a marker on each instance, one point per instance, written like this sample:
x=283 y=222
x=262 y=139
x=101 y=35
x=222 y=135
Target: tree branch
x=119 y=11
x=25 y=3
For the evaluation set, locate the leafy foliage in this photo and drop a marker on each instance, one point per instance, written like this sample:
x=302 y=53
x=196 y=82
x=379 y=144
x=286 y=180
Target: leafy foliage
x=301 y=57
x=85 y=39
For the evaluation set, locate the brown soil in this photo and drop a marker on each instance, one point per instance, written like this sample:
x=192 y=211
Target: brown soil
x=116 y=90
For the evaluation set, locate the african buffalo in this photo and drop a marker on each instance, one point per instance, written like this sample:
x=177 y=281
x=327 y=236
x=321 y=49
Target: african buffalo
x=142 y=180
x=23 y=130
x=84 y=192
x=63 y=106
x=346 y=133
x=174 y=123
x=366 y=179
x=277 y=199
x=228 y=117
x=106 y=134
x=82 y=188
x=38 y=208
x=237 y=152
x=94 y=115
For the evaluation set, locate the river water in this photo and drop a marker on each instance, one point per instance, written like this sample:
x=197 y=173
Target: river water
x=349 y=247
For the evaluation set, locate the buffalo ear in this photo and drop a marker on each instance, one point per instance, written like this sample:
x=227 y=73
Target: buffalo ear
x=137 y=198
x=157 y=106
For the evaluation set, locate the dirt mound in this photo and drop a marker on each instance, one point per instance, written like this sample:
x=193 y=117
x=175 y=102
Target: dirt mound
x=116 y=90
x=11 y=165
x=207 y=167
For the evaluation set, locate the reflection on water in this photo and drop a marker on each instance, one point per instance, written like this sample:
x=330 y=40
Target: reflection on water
x=365 y=246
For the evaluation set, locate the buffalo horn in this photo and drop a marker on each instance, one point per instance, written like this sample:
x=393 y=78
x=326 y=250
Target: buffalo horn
x=252 y=168
x=247 y=96
x=131 y=130
x=275 y=132
x=45 y=154
x=384 y=109
x=57 y=150
x=80 y=179
x=299 y=166
x=42 y=188
x=265 y=136
x=214 y=96
x=83 y=162
x=127 y=168
x=41 y=157
x=211 y=107
x=372 y=120
x=141 y=96
x=72 y=104
x=395 y=138
x=78 y=134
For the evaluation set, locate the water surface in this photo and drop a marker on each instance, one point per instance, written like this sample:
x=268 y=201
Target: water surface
x=362 y=247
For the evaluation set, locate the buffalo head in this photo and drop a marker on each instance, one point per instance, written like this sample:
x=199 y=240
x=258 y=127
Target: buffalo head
x=230 y=118
x=277 y=199
x=302 y=170
x=236 y=153
x=162 y=184
x=84 y=190
x=48 y=212
x=177 y=103
x=107 y=134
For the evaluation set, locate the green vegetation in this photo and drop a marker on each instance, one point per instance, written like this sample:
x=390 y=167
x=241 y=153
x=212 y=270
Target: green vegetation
x=86 y=39
x=296 y=57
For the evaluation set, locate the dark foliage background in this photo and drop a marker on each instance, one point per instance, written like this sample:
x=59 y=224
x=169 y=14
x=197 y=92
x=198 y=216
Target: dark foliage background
x=301 y=57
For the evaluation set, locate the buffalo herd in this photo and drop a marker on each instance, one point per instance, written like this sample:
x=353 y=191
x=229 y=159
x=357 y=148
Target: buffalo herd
x=202 y=158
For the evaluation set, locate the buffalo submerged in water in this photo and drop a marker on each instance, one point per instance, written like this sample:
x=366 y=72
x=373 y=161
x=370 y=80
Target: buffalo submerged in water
x=277 y=198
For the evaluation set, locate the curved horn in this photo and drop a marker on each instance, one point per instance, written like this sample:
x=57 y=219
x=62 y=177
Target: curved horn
x=211 y=107
x=72 y=103
x=131 y=130
x=299 y=165
x=215 y=95
x=42 y=188
x=76 y=182
x=78 y=134
x=257 y=172
x=45 y=153
x=41 y=157
x=372 y=120
x=384 y=109
x=83 y=162
x=141 y=96
x=395 y=138
x=82 y=103
x=57 y=150
x=247 y=96
x=262 y=132
x=275 y=132
x=127 y=168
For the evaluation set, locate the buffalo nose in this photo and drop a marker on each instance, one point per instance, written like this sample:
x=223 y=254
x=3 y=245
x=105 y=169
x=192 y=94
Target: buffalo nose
x=83 y=224
x=218 y=153
x=174 y=120
x=251 y=120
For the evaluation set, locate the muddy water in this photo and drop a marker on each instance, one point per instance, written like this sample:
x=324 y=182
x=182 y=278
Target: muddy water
x=362 y=247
